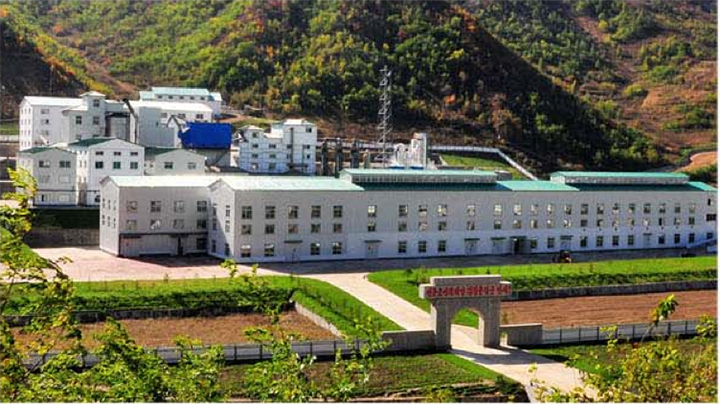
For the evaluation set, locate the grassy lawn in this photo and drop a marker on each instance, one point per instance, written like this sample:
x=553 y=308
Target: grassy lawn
x=398 y=373
x=588 y=357
x=479 y=162
x=67 y=218
x=9 y=128
x=331 y=303
x=404 y=283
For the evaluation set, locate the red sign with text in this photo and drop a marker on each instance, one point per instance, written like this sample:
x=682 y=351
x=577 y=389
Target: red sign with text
x=435 y=292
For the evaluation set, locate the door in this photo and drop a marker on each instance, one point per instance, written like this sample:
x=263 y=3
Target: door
x=179 y=246
x=498 y=245
x=371 y=250
x=647 y=240
x=471 y=247
x=291 y=252
x=566 y=242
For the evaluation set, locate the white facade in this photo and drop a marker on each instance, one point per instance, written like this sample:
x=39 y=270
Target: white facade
x=289 y=146
x=156 y=123
x=99 y=158
x=54 y=170
x=384 y=214
x=50 y=120
x=184 y=95
x=169 y=161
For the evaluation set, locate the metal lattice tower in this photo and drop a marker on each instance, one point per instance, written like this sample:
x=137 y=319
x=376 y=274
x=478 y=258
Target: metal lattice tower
x=385 y=111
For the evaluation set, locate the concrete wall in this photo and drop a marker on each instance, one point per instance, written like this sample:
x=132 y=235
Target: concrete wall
x=609 y=290
x=317 y=319
x=42 y=237
x=403 y=341
x=523 y=334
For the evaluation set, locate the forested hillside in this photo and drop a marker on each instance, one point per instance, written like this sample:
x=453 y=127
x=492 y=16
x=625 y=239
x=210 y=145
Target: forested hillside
x=561 y=83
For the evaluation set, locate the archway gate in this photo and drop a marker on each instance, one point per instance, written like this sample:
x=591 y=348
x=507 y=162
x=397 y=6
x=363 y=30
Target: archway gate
x=481 y=293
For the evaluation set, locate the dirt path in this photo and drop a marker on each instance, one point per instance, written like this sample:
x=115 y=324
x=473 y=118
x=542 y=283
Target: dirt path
x=599 y=310
x=702 y=159
x=210 y=330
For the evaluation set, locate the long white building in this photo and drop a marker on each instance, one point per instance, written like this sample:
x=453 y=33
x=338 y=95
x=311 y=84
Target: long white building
x=288 y=146
x=185 y=95
x=402 y=213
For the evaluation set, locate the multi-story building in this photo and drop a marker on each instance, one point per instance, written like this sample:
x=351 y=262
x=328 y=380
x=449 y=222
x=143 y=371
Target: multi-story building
x=157 y=123
x=99 y=158
x=49 y=120
x=289 y=146
x=171 y=161
x=408 y=213
x=54 y=169
x=189 y=95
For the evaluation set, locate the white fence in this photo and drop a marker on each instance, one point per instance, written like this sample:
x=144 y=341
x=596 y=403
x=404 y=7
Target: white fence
x=572 y=335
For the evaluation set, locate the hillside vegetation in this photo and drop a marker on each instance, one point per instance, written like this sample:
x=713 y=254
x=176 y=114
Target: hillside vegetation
x=515 y=74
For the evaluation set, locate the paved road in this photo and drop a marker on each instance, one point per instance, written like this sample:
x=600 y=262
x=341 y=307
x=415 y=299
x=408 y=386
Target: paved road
x=511 y=362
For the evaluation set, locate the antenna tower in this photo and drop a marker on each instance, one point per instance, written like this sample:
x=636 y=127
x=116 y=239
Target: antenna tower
x=385 y=111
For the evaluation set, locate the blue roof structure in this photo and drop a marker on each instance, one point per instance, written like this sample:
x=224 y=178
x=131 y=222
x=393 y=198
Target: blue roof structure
x=206 y=135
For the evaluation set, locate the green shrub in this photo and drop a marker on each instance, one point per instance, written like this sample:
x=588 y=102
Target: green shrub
x=634 y=90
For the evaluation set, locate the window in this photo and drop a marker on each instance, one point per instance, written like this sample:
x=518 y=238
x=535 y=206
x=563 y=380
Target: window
x=99 y=153
x=133 y=153
x=213 y=246
x=246 y=212
x=567 y=223
x=691 y=238
x=631 y=222
x=102 y=219
x=600 y=209
x=201 y=224
x=677 y=221
x=315 y=211
x=372 y=211
x=45 y=111
x=314 y=248
x=422 y=226
x=615 y=241
x=337 y=248
x=402 y=247
x=661 y=239
x=470 y=210
x=677 y=207
x=630 y=240
x=662 y=209
x=533 y=243
x=583 y=241
x=227 y=225
x=199 y=116
x=246 y=229
x=201 y=206
x=402 y=210
x=44 y=163
x=422 y=211
x=584 y=208
x=533 y=223
x=600 y=223
x=269 y=229
x=96 y=120
x=131 y=225
x=293 y=228
x=78 y=120
x=163 y=115
x=293 y=212
x=168 y=165
x=117 y=165
x=178 y=224
x=517 y=209
x=134 y=165
x=470 y=225
x=550 y=223
x=710 y=217
x=631 y=208
x=155 y=224
x=615 y=223
x=64 y=164
x=646 y=221
x=567 y=209
x=96 y=103
x=192 y=166
x=402 y=227
x=497 y=225
x=550 y=208
x=422 y=247
x=245 y=251
x=583 y=223
x=647 y=208
x=272 y=166
x=315 y=227
x=371 y=227
x=517 y=224
x=442 y=210
x=270 y=212
x=337 y=228
x=155 y=206
x=179 y=206
x=709 y=202
x=131 y=206
x=215 y=224
x=616 y=209
x=337 y=211
x=691 y=221
x=709 y=235
x=442 y=246
x=550 y=242
x=676 y=238
x=497 y=210
x=599 y=241
x=442 y=226
x=269 y=250
x=534 y=208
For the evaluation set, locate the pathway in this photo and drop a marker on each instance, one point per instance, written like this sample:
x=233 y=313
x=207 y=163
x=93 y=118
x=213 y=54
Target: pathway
x=511 y=362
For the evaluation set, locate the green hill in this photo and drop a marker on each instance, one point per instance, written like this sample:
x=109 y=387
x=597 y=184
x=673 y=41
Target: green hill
x=460 y=70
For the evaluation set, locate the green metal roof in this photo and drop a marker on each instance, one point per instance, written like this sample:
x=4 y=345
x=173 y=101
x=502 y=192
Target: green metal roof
x=526 y=185
x=288 y=183
x=154 y=151
x=181 y=91
x=617 y=174
x=687 y=187
x=37 y=149
x=91 y=142
x=702 y=186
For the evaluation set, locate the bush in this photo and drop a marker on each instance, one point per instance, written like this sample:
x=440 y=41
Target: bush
x=634 y=90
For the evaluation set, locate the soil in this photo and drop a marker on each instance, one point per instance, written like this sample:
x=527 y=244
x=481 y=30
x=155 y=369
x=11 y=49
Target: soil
x=210 y=330
x=600 y=310
x=699 y=160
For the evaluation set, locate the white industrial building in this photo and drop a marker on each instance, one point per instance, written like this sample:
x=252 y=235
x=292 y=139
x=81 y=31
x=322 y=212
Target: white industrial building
x=171 y=161
x=185 y=95
x=402 y=213
x=157 y=123
x=289 y=146
x=54 y=170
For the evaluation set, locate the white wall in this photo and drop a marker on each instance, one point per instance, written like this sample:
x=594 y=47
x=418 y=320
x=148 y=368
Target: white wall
x=89 y=175
x=176 y=162
x=55 y=184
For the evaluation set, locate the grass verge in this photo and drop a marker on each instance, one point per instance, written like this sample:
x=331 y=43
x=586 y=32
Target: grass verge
x=404 y=283
x=481 y=163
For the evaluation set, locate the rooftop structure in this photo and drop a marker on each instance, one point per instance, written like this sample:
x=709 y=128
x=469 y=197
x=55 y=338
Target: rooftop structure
x=184 y=95
x=618 y=178
x=400 y=176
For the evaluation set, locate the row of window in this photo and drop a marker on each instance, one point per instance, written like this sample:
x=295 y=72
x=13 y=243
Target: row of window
x=117 y=165
x=182 y=116
x=181 y=97
x=169 y=165
x=335 y=248
x=292 y=228
x=115 y=153
x=156 y=206
x=293 y=212
x=48 y=164
x=79 y=120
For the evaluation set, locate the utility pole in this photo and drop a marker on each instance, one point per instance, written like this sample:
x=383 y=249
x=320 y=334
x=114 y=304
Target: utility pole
x=385 y=111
